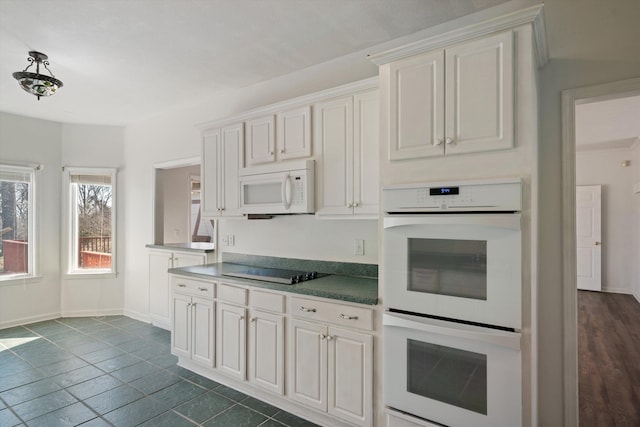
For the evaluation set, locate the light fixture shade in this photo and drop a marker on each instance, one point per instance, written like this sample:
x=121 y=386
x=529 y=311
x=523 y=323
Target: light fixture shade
x=35 y=83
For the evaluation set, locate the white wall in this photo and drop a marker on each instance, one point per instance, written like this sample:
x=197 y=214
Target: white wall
x=636 y=219
x=96 y=146
x=600 y=50
x=603 y=167
x=32 y=141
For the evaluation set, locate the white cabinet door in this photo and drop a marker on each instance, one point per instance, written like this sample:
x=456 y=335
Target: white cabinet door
x=260 y=141
x=184 y=259
x=159 y=294
x=416 y=106
x=480 y=95
x=231 y=340
x=181 y=325
x=203 y=315
x=209 y=173
x=350 y=371
x=366 y=167
x=232 y=161
x=294 y=133
x=266 y=351
x=308 y=364
x=333 y=135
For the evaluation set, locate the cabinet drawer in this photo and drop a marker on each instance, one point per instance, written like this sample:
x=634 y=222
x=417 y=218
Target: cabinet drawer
x=193 y=287
x=339 y=314
x=267 y=301
x=232 y=294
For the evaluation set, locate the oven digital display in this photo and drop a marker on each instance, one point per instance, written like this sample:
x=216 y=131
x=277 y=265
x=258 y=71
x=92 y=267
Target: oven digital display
x=444 y=191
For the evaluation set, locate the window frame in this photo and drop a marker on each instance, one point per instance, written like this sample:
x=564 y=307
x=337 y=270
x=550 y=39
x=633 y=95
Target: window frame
x=69 y=270
x=32 y=242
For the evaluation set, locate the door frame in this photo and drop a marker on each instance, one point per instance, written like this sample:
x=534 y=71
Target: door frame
x=571 y=98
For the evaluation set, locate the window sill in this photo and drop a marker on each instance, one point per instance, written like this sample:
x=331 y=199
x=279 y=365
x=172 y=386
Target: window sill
x=95 y=275
x=19 y=280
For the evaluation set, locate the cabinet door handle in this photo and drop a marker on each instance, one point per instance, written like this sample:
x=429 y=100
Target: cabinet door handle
x=182 y=285
x=193 y=304
x=355 y=204
x=282 y=151
x=203 y=289
x=329 y=337
x=346 y=316
x=307 y=309
x=449 y=141
x=271 y=153
x=322 y=336
x=349 y=205
x=241 y=317
x=437 y=142
x=252 y=319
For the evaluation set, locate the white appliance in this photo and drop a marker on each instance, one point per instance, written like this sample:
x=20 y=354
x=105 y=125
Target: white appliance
x=452 y=290
x=283 y=188
x=452 y=373
x=464 y=264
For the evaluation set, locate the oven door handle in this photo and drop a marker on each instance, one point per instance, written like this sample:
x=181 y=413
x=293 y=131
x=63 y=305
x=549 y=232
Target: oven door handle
x=510 y=221
x=451 y=329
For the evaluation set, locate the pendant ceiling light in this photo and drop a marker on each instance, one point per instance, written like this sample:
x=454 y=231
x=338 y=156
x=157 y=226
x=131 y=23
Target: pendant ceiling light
x=36 y=83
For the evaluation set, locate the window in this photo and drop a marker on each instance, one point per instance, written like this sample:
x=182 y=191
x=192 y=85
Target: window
x=90 y=221
x=17 y=228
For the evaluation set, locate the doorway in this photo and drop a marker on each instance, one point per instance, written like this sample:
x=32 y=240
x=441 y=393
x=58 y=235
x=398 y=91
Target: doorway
x=572 y=101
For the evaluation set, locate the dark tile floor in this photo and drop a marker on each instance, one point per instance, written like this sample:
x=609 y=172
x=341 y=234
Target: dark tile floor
x=113 y=371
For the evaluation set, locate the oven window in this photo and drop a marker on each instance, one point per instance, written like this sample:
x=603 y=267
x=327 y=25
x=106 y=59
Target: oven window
x=449 y=375
x=448 y=267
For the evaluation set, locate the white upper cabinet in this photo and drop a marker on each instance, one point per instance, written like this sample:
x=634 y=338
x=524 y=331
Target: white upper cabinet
x=294 y=133
x=456 y=100
x=222 y=158
x=346 y=134
x=268 y=141
x=260 y=140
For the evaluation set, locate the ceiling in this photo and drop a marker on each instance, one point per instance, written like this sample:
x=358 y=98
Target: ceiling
x=125 y=60
x=612 y=123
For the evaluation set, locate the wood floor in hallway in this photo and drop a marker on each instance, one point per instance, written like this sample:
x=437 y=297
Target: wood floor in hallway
x=608 y=359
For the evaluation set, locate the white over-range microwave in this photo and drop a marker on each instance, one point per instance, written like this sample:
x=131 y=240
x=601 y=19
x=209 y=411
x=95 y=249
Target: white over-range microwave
x=286 y=188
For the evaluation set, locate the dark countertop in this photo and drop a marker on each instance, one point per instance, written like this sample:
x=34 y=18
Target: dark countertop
x=362 y=290
x=187 y=247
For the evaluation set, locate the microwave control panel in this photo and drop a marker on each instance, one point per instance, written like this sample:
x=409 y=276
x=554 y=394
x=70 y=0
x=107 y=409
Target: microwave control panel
x=463 y=196
x=297 y=190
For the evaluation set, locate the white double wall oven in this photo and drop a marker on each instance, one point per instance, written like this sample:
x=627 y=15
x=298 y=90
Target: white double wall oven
x=452 y=261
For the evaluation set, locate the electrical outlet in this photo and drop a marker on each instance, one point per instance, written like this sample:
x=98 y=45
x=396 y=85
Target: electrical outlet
x=358 y=246
x=232 y=240
x=225 y=240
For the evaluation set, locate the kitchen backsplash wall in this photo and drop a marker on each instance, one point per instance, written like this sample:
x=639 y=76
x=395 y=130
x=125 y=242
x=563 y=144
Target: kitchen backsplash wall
x=301 y=236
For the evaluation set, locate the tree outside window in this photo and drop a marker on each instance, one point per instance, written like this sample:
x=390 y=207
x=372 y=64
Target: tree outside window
x=16 y=221
x=91 y=220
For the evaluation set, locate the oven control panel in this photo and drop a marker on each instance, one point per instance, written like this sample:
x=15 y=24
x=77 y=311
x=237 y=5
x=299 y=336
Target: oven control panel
x=463 y=196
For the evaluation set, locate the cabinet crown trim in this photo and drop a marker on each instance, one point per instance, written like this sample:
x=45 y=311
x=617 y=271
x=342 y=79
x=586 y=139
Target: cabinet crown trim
x=532 y=15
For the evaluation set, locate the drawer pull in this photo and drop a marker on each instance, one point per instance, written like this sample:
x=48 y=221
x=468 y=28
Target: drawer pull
x=307 y=309
x=203 y=289
x=346 y=316
x=182 y=285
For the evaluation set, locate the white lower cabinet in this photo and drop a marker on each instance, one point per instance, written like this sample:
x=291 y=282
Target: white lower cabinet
x=266 y=350
x=231 y=343
x=329 y=364
x=331 y=369
x=160 y=260
x=193 y=321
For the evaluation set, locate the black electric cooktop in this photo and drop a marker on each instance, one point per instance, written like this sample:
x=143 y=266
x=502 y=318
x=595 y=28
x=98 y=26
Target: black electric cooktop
x=275 y=275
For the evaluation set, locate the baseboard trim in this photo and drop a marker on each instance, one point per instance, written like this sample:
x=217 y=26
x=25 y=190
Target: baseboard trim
x=30 y=319
x=617 y=291
x=93 y=313
x=137 y=315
